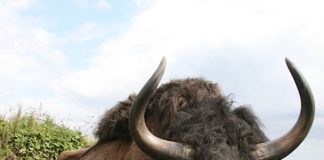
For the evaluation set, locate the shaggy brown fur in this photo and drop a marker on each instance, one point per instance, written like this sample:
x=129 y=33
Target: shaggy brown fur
x=167 y=100
x=192 y=111
x=216 y=130
x=114 y=123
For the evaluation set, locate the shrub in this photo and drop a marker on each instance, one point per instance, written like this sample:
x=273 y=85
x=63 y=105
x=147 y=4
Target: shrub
x=35 y=136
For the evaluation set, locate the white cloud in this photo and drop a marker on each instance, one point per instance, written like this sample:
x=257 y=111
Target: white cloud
x=200 y=29
x=102 y=4
x=29 y=57
x=166 y=29
x=120 y=75
x=8 y=7
x=29 y=54
x=82 y=34
x=13 y=64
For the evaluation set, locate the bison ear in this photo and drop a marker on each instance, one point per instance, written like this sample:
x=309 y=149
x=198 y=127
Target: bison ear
x=246 y=114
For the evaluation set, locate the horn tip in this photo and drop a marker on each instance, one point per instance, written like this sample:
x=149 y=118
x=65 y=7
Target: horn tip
x=164 y=59
x=289 y=63
x=163 y=63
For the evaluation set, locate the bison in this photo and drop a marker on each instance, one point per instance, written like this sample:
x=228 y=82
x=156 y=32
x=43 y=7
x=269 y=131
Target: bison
x=190 y=119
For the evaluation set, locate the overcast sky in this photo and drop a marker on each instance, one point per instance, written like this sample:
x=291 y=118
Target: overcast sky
x=76 y=58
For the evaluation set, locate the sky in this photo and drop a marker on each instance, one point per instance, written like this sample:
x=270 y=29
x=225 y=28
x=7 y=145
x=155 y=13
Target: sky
x=74 y=59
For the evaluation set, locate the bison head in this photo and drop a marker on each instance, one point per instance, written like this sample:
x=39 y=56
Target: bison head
x=190 y=119
x=211 y=130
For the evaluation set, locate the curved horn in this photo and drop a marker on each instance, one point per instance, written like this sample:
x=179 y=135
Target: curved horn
x=145 y=140
x=283 y=146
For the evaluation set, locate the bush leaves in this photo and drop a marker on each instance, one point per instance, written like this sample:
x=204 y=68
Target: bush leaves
x=30 y=136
